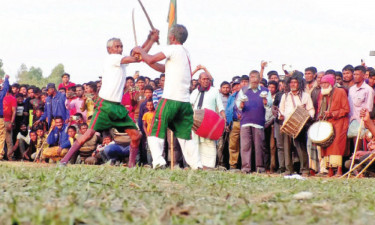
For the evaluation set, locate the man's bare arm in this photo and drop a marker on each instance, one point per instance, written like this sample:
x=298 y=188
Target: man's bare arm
x=158 y=67
x=129 y=59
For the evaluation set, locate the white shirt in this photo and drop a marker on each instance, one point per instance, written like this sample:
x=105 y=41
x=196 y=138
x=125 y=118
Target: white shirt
x=177 y=73
x=113 y=79
x=287 y=107
x=211 y=100
x=26 y=139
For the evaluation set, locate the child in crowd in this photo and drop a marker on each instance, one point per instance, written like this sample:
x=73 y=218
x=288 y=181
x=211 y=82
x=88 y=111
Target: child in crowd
x=30 y=153
x=42 y=124
x=88 y=100
x=72 y=131
x=147 y=125
x=148 y=117
x=41 y=143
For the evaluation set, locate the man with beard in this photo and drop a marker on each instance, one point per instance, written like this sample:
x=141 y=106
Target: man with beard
x=22 y=141
x=289 y=102
x=224 y=92
x=334 y=107
x=347 y=76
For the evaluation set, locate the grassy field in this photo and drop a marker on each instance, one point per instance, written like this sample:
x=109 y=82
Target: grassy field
x=45 y=194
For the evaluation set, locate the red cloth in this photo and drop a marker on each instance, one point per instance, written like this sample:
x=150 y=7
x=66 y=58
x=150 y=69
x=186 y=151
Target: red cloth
x=340 y=122
x=70 y=84
x=8 y=102
x=127 y=102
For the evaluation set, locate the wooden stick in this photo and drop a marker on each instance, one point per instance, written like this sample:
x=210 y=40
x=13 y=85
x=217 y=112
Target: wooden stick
x=364 y=169
x=358 y=165
x=172 y=152
x=356 y=145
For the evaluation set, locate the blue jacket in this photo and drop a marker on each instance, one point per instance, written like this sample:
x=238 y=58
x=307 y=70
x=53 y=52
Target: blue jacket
x=230 y=107
x=58 y=108
x=59 y=137
x=3 y=92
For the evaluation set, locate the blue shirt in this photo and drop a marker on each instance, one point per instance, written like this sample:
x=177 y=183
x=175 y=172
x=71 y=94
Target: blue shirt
x=59 y=137
x=3 y=92
x=58 y=108
x=230 y=110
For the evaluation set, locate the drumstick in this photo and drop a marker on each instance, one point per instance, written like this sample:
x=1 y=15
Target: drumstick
x=356 y=145
x=364 y=169
x=172 y=152
x=358 y=165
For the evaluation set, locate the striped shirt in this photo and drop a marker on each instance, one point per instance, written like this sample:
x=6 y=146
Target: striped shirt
x=156 y=96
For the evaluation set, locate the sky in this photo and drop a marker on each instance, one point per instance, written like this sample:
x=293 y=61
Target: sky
x=228 y=37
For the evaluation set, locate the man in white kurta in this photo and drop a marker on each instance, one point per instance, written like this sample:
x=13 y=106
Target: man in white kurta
x=206 y=97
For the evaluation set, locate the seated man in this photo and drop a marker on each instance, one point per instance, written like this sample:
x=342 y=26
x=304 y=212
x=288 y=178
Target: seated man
x=99 y=156
x=115 y=153
x=30 y=152
x=89 y=146
x=41 y=144
x=58 y=141
x=23 y=141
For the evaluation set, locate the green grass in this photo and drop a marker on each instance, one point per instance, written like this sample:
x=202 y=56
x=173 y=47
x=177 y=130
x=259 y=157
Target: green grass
x=114 y=195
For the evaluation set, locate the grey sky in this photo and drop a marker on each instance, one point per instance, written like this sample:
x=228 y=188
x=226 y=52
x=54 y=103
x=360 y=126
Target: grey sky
x=228 y=37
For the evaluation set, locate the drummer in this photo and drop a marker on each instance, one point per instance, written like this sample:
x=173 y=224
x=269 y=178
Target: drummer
x=334 y=108
x=206 y=97
x=289 y=102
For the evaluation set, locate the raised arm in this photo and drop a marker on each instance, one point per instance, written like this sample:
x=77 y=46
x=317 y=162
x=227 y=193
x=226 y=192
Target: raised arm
x=151 y=39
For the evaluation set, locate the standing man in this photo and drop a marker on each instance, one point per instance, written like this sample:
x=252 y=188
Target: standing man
x=233 y=117
x=347 y=76
x=361 y=96
x=225 y=92
x=55 y=105
x=4 y=90
x=310 y=77
x=109 y=112
x=9 y=110
x=206 y=97
x=66 y=82
x=174 y=110
x=221 y=143
x=250 y=101
x=334 y=106
x=289 y=102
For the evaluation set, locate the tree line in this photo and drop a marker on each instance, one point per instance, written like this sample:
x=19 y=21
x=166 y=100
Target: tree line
x=34 y=75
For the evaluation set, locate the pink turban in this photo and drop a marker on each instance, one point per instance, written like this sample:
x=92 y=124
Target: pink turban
x=329 y=78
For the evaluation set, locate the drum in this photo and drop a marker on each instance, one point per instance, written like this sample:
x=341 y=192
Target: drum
x=208 y=124
x=294 y=124
x=322 y=133
x=120 y=138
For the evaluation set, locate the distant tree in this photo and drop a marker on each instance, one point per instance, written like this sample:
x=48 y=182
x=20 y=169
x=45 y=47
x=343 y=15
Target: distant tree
x=34 y=76
x=55 y=76
x=2 y=73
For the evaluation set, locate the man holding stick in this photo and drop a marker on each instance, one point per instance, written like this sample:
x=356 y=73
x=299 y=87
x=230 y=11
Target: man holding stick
x=174 y=110
x=108 y=111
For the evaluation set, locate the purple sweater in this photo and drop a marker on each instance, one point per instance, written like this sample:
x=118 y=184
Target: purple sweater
x=254 y=111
